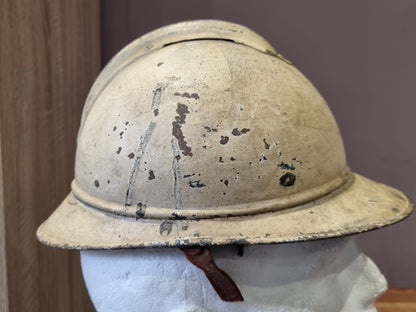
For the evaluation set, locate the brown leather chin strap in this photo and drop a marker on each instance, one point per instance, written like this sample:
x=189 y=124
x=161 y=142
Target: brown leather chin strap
x=222 y=283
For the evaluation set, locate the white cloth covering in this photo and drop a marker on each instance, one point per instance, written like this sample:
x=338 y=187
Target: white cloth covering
x=327 y=275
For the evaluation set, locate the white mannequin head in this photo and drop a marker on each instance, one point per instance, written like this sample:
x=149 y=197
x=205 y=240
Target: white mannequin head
x=328 y=275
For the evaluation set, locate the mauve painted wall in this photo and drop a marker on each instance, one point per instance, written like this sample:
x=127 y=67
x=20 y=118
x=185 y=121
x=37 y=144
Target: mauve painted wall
x=361 y=55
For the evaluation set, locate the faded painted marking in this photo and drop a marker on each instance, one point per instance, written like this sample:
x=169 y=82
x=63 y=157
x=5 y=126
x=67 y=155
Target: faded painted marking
x=157 y=93
x=176 y=175
x=144 y=139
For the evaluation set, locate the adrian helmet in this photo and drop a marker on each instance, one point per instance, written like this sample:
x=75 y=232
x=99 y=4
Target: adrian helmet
x=200 y=134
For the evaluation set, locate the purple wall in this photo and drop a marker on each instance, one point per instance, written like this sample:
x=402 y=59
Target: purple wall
x=361 y=55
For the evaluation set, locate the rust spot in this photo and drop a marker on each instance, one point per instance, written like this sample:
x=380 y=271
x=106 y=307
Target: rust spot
x=131 y=155
x=266 y=145
x=182 y=111
x=156 y=112
x=288 y=179
x=224 y=140
x=237 y=132
x=119 y=150
x=96 y=183
x=151 y=174
x=187 y=95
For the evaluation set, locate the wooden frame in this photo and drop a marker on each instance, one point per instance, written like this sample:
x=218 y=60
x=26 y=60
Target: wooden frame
x=49 y=55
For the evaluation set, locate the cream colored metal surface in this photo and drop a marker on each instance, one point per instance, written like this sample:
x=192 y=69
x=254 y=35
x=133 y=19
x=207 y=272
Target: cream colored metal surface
x=198 y=133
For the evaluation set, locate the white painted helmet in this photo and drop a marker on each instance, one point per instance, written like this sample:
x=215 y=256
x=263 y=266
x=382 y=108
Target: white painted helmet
x=199 y=133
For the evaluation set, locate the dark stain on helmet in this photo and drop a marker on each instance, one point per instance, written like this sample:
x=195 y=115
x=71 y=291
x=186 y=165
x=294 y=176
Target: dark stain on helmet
x=288 y=179
x=187 y=95
x=188 y=175
x=266 y=145
x=159 y=64
x=196 y=184
x=297 y=160
x=286 y=166
x=96 y=183
x=165 y=227
x=237 y=132
x=224 y=181
x=156 y=112
x=182 y=111
x=177 y=216
x=263 y=158
x=131 y=155
x=114 y=128
x=237 y=241
x=140 y=211
x=232 y=158
x=224 y=140
x=209 y=129
x=151 y=174
x=119 y=150
x=121 y=134
x=220 y=159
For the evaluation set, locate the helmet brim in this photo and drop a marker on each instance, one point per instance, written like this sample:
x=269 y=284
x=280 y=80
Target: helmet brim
x=358 y=206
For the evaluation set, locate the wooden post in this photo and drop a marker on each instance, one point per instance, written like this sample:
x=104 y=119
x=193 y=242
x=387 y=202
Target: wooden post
x=49 y=56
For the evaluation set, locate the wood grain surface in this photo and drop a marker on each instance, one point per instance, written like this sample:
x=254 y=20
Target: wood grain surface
x=397 y=300
x=49 y=56
x=4 y=301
